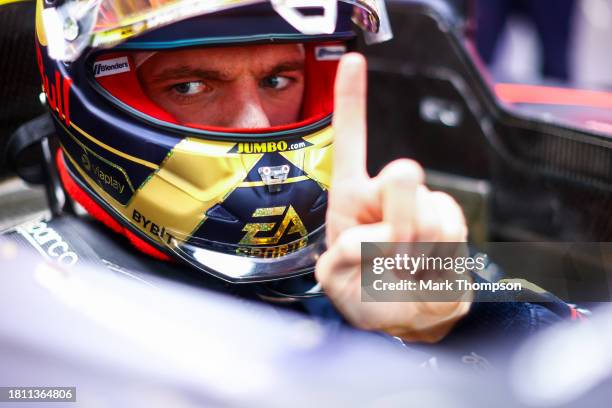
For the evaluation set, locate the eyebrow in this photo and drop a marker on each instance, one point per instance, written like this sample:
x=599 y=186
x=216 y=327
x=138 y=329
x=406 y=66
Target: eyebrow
x=297 y=65
x=184 y=71
x=187 y=71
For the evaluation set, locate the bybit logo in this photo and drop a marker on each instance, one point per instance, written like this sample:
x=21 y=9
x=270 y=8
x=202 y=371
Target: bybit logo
x=151 y=227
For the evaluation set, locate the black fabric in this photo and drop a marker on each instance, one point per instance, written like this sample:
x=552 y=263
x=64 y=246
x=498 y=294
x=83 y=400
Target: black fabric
x=19 y=78
x=22 y=151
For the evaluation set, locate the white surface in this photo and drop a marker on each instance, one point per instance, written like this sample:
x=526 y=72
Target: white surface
x=20 y=202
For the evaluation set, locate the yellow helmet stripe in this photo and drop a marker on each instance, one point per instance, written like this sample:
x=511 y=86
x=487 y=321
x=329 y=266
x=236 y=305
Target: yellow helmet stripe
x=40 y=28
x=315 y=160
x=5 y=2
x=113 y=150
x=261 y=183
x=197 y=175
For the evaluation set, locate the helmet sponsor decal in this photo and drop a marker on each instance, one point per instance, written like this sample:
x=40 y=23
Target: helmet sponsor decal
x=269 y=147
x=57 y=93
x=111 y=67
x=146 y=224
x=103 y=175
x=290 y=218
x=329 y=52
x=272 y=252
x=110 y=177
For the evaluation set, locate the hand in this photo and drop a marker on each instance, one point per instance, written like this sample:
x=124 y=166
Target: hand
x=394 y=206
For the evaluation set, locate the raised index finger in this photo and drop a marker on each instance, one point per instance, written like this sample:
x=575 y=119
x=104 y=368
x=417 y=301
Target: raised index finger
x=350 y=118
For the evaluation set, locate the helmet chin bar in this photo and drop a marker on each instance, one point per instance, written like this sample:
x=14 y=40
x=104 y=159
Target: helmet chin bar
x=235 y=268
x=268 y=293
x=309 y=25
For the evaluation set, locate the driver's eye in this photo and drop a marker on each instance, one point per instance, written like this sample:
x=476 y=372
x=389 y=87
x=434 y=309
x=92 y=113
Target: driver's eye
x=276 y=82
x=189 y=88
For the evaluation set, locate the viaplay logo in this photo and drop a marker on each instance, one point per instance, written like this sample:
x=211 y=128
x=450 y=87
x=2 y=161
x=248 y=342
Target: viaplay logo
x=111 y=67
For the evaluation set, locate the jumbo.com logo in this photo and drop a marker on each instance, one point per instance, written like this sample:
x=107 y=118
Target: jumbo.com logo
x=269 y=147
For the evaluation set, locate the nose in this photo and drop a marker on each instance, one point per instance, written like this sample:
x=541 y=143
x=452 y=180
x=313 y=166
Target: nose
x=247 y=107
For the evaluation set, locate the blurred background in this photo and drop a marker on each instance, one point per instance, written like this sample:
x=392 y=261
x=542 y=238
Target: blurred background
x=553 y=40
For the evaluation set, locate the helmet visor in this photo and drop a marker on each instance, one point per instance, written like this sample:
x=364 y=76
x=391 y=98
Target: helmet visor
x=77 y=24
x=279 y=89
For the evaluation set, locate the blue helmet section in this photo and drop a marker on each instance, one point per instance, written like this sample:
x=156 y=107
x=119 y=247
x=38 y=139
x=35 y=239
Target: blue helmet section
x=248 y=24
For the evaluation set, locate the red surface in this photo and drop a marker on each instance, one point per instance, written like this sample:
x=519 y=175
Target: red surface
x=318 y=96
x=534 y=94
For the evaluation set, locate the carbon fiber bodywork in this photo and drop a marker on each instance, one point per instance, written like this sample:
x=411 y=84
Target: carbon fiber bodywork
x=550 y=179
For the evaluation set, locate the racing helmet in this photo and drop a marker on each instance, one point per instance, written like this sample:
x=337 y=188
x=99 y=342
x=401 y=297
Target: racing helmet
x=242 y=204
